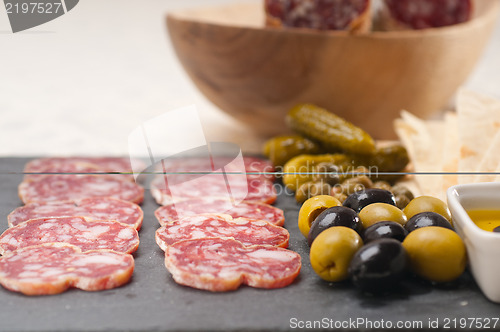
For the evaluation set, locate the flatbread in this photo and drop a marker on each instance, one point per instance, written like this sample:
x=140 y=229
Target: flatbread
x=451 y=151
x=424 y=142
x=478 y=123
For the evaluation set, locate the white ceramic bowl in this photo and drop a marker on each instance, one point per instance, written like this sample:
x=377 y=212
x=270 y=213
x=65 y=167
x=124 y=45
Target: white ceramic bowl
x=483 y=247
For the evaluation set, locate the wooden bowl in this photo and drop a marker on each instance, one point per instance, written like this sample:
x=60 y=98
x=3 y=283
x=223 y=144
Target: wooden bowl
x=256 y=74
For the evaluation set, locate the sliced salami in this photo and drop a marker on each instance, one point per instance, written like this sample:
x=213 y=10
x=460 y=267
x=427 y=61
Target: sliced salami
x=49 y=188
x=52 y=268
x=193 y=206
x=80 y=165
x=94 y=208
x=174 y=188
x=319 y=14
x=87 y=235
x=247 y=231
x=422 y=14
x=55 y=164
x=218 y=264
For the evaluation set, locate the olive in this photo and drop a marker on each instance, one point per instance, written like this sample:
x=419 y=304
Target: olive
x=378 y=265
x=326 y=172
x=425 y=219
x=382 y=185
x=496 y=229
x=334 y=216
x=377 y=212
x=358 y=200
x=332 y=252
x=402 y=201
x=385 y=229
x=354 y=184
x=340 y=196
x=436 y=253
x=402 y=190
x=311 y=189
x=426 y=204
x=312 y=208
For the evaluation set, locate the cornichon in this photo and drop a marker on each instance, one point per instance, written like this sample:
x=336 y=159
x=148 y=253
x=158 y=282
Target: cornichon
x=300 y=169
x=330 y=130
x=389 y=158
x=283 y=148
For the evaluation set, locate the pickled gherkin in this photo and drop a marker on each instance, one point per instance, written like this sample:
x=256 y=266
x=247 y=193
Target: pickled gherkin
x=283 y=148
x=300 y=169
x=331 y=131
x=389 y=158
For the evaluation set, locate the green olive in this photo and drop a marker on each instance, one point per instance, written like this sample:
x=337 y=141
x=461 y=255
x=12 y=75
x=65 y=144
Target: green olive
x=311 y=189
x=382 y=185
x=340 y=196
x=376 y=212
x=313 y=208
x=332 y=251
x=427 y=204
x=326 y=172
x=400 y=189
x=436 y=253
x=354 y=184
x=402 y=201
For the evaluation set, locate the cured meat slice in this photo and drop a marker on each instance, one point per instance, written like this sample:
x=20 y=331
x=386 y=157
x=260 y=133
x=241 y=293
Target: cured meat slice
x=80 y=165
x=87 y=235
x=247 y=231
x=254 y=167
x=422 y=14
x=178 y=187
x=218 y=264
x=200 y=205
x=94 y=208
x=353 y=15
x=221 y=177
x=48 y=188
x=52 y=268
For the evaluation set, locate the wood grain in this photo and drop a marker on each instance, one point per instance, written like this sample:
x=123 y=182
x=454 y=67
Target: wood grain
x=256 y=74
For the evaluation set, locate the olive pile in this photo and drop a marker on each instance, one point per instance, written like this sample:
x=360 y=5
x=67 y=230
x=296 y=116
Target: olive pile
x=372 y=242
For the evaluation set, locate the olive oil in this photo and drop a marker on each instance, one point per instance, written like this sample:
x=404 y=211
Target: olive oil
x=487 y=220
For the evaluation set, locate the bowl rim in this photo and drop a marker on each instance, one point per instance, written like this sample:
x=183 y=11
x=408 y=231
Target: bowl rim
x=486 y=15
x=459 y=213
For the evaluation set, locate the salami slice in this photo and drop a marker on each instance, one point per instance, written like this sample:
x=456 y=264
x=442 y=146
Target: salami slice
x=351 y=15
x=201 y=205
x=422 y=14
x=52 y=268
x=49 y=188
x=175 y=188
x=94 y=208
x=80 y=165
x=247 y=231
x=254 y=167
x=87 y=235
x=217 y=264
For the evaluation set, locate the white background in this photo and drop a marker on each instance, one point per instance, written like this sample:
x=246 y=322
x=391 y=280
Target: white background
x=81 y=83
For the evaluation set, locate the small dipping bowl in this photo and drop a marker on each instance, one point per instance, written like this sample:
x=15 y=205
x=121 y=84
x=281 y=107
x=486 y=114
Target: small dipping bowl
x=483 y=247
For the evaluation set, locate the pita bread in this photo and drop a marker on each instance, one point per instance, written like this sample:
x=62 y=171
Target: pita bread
x=478 y=122
x=424 y=142
x=451 y=151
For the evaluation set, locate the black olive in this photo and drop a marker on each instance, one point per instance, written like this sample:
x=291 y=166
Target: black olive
x=358 y=200
x=334 y=216
x=378 y=266
x=424 y=219
x=384 y=229
x=496 y=229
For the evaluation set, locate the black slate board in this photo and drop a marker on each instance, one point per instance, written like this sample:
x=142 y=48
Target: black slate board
x=152 y=301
